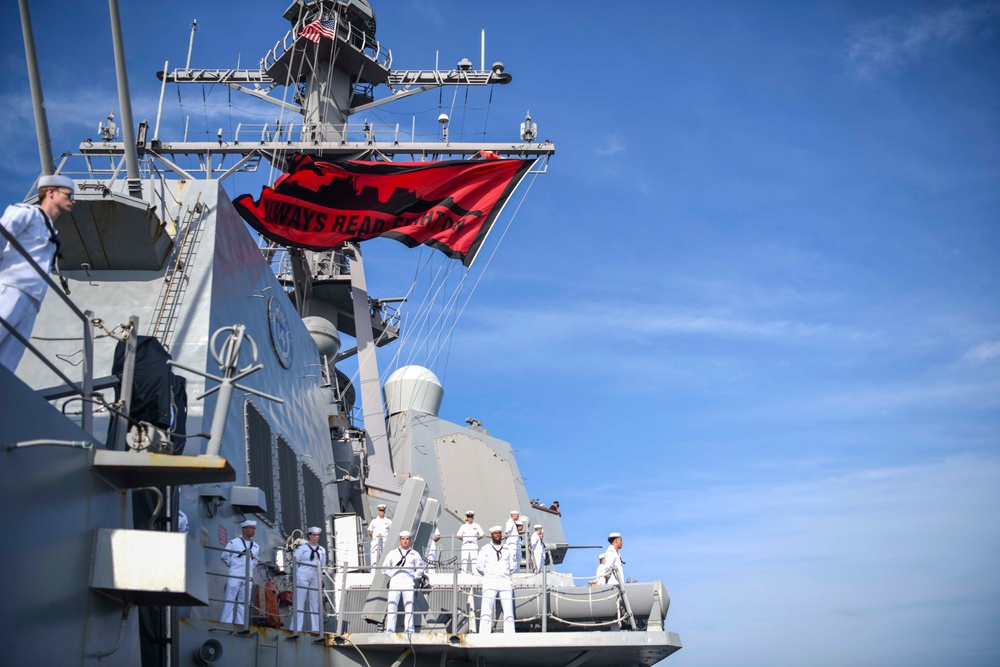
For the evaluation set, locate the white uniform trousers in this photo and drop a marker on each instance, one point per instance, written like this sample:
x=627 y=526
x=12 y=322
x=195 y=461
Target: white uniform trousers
x=493 y=587
x=18 y=310
x=306 y=603
x=469 y=552
x=376 y=549
x=393 y=604
x=232 y=611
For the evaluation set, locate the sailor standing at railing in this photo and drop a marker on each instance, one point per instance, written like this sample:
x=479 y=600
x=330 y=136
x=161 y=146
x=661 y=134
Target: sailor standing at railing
x=378 y=531
x=496 y=562
x=237 y=584
x=308 y=558
x=512 y=534
x=21 y=287
x=432 y=551
x=613 y=565
x=613 y=559
x=470 y=533
x=537 y=544
x=402 y=565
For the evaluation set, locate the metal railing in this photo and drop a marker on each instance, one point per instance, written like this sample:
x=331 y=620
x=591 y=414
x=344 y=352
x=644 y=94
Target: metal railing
x=85 y=388
x=340 y=605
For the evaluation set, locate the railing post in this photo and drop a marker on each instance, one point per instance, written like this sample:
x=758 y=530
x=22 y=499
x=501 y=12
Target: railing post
x=320 y=625
x=87 y=419
x=454 y=602
x=247 y=588
x=340 y=603
x=128 y=374
x=545 y=597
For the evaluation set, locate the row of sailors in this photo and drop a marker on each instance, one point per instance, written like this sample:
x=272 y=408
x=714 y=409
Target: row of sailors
x=470 y=534
x=309 y=557
x=495 y=562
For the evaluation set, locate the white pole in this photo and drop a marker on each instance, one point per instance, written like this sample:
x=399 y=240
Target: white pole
x=159 y=107
x=482 y=51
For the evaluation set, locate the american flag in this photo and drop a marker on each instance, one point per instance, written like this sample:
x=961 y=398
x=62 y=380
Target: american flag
x=318 y=29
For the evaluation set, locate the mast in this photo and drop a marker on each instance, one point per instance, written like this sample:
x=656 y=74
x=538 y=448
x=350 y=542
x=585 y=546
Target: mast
x=125 y=103
x=37 y=100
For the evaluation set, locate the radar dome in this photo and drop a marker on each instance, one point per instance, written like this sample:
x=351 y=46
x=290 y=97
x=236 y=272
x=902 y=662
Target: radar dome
x=324 y=334
x=413 y=388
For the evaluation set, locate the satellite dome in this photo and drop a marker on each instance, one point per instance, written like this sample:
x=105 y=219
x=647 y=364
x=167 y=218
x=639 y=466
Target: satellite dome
x=413 y=388
x=324 y=334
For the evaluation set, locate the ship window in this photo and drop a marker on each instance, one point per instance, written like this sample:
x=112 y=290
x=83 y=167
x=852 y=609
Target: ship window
x=260 y=464
x=313 y=489
x=288 y=488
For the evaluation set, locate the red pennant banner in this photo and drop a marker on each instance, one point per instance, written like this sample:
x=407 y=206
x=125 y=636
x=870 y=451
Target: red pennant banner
x=448 y=205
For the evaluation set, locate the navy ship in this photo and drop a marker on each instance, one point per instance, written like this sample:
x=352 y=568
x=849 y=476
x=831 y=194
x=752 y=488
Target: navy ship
x=192 y=375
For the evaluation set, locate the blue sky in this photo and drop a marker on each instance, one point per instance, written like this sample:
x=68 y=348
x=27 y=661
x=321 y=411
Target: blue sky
x=749 y=317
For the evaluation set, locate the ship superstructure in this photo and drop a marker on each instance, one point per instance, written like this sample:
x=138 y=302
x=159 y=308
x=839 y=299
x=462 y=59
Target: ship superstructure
x=218 y=363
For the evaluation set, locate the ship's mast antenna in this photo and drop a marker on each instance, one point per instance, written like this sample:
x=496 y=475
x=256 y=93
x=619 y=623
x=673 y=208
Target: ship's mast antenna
x=194 y=26
x=37 y=100
x=125 y=104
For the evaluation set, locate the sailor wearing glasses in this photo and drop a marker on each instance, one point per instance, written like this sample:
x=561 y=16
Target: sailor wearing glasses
x=21 y=287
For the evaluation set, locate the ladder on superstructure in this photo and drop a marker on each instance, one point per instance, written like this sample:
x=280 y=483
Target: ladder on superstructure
x=176 y=279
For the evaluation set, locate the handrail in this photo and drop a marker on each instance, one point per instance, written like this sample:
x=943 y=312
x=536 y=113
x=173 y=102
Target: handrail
x=87 y=416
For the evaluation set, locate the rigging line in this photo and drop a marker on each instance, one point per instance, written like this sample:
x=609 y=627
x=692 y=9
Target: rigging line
x=492 y=254
x=426 y=343
x=454 y=98
x=408 y=340
x=489 y=107
x=448 y=309
x=465 y=114
x=413 y=341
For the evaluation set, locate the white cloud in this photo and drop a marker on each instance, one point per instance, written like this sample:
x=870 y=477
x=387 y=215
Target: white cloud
x=612 y=145
x=889 y=43
x=984 y=352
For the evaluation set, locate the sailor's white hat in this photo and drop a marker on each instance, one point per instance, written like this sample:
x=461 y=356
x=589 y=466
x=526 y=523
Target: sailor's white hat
x=515 y=511
x=314 y=529
x=381 y=507
x=437 y=533
x=470 y=513
x=600 y=556
x=56 y=182
x=496 y=529
x=404 y=533
x=612 y=536
x=519 y=522
x=249 y=523
x=538 y=525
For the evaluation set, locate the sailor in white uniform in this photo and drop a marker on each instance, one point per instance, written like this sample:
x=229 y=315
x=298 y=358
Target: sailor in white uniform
x=537 y=545
x=512 y=534
x=601 y=576
x=470 y=533
x=378 y=531
x=403 y=565
x=238 y=584
x=613 y=559
x=616 y=574
x=496 y=563
x=21 y=288
x=309 y=557
x=432 y=551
